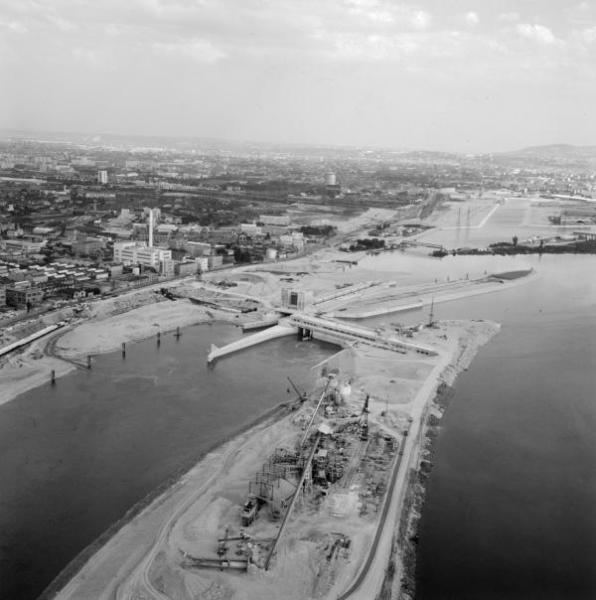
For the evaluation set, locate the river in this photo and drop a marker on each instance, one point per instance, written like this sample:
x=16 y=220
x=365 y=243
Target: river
x=510 y=509
x=77 y=456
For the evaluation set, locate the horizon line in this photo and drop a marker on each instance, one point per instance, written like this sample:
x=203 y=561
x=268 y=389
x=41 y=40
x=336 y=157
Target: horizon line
x=234 y=141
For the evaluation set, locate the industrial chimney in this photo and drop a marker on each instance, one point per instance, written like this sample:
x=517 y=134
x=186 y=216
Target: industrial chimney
x=150 y=228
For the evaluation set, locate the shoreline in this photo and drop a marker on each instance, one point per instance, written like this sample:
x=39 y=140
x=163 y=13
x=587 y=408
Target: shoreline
x=168 y=486
x=161 y=498
x=406 y=551
x=405 y=543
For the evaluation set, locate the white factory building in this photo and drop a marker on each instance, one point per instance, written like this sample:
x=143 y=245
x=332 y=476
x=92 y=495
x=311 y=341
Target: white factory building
x=138 y=253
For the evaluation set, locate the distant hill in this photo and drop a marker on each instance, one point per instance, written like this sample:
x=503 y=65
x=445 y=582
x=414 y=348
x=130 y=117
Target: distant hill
x=555 y=151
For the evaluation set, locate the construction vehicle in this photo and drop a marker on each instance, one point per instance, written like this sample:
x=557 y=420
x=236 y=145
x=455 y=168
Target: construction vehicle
x=167 y=293
x=222 y=547
x=249 y=511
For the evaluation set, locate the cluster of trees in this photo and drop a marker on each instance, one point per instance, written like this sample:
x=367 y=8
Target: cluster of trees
x=367 y=244
x=511 y=248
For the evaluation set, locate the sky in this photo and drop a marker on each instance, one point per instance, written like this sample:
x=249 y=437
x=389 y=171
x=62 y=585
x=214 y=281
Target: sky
x=452 y=75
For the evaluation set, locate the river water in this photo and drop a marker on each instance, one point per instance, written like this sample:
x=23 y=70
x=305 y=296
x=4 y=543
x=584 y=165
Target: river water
x=75 y=457
x=510 y=509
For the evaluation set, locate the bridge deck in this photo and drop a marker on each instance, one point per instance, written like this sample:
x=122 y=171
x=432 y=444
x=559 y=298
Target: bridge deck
x=356 y=333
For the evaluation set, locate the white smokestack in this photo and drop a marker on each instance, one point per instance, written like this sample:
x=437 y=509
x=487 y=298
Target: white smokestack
x=150 y=228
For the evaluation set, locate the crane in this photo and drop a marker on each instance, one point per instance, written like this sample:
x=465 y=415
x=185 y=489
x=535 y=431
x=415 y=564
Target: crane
x=301 y=395
x=364 y=420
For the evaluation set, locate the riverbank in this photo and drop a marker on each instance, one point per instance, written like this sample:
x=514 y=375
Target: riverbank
x=168 y=487
x=404 y=549
x=27 y=369
x=109 y=326
x=145 y=553
x=101 y=335
x=400 y=576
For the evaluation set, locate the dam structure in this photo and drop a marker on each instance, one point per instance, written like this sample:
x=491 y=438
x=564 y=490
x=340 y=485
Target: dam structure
x=307 y=326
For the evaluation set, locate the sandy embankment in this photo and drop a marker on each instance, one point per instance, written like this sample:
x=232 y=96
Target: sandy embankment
x=146 y=549
x=128 y=318
x=107 y=334
x=26 y=370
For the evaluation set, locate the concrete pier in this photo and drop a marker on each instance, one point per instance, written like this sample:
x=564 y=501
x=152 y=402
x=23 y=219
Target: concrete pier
x=251 y=340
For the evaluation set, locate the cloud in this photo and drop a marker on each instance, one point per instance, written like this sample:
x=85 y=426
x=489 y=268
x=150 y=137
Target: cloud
x=201 y=51
x=583 y=14
x=509 y=17
x=420 y=19
x=588 y=35
x=86 y=55
x=287 y=32
x=417 y=51
x=381 y=16
x=472 y=18
x=13 y=26
x=372 y=47
x=536 y=33
x=372 y=12
x=61 y=23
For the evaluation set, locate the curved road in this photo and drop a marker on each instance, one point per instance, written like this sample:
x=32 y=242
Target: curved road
x=369 y=580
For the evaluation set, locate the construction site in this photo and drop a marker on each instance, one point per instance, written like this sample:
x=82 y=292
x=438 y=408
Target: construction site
x=311 y=506
x=336 y=459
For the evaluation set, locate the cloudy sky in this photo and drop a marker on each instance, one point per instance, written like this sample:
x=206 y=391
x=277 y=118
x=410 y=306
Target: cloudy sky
x=465 y=75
